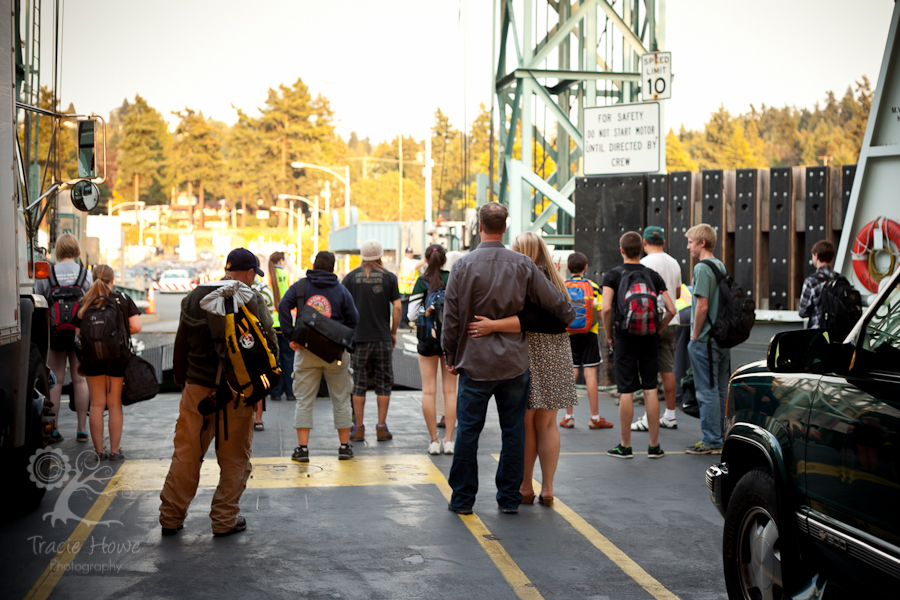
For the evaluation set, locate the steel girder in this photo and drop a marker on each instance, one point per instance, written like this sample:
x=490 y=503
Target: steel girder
x=549 y=60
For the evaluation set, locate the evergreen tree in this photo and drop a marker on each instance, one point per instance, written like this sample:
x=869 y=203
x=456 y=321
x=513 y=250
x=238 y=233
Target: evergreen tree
x=143 y=148
x=196 y=156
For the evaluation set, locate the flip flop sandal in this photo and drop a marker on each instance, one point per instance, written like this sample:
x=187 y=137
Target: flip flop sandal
x=259 y=427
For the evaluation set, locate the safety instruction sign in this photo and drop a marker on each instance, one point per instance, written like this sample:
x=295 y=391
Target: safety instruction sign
x=621 y=139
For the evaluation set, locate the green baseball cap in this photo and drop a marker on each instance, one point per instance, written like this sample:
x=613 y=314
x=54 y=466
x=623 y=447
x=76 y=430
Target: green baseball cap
x=654 y=231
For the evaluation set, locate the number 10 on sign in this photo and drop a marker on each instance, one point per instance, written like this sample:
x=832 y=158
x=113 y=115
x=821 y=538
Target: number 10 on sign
x=656 y=76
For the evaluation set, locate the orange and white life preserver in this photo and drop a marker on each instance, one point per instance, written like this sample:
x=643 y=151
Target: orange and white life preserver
x=864 y=252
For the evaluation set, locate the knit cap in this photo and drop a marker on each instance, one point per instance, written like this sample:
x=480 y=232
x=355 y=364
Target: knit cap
x=371 y=250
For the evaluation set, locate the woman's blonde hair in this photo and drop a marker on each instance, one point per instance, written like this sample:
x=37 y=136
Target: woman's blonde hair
x=532 y=245
x=67 y=246
x=102 y=286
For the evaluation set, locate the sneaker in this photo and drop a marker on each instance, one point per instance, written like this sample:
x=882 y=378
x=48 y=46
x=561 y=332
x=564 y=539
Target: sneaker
x=275 y=398
x=442 y=423
x=290 y=398
x=81 y=436
x=240 y=526
x=434 y=448
x=56 y=437
x=301 y=454
x=621 y=451
x=567 y=421
x=655 y=452
x=599 y=424
x=641 y=424
x=382 y=433
x=448 y=447
x=668 y=423
x=701 y=448
x=358 y=434
x=345 y=452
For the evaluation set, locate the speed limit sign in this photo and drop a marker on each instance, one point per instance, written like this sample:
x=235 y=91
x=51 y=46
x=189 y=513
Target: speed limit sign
x=656 y=76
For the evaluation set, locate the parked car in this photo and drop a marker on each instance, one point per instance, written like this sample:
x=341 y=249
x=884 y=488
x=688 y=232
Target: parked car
x=175 y=281
x=809 y=483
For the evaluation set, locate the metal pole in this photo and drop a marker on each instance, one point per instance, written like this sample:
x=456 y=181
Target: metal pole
x=426 y=171
x=316 y=228
x=400 y=214
x=291 y=219
x=347 y=199
x=347 y=210
x=299 y=240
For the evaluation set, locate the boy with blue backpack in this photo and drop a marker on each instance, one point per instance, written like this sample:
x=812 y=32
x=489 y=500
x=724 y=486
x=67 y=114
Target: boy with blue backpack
x=585 y=297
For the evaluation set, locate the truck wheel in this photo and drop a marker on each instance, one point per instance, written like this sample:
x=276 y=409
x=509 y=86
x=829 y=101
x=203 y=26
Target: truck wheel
x=751 y=545
x=27 y=495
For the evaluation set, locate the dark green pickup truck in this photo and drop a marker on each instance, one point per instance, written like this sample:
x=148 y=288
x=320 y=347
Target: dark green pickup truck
x=810 y=480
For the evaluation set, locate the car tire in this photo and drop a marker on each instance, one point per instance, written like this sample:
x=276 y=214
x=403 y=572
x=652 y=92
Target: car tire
x=752 y=551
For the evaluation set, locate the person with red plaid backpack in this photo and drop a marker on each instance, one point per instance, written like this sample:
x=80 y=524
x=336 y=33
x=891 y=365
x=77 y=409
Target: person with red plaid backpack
x=634 y=297
x=583 y=335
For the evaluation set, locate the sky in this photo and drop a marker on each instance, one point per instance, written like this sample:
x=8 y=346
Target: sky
x=386 y=65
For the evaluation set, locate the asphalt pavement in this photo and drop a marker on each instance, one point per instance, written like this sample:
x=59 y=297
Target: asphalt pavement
x=376 y=526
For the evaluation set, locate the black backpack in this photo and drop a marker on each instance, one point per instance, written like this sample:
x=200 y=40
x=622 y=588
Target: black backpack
x=64 y=300
x=637 y=303
x=841 y=305
x=104 y=330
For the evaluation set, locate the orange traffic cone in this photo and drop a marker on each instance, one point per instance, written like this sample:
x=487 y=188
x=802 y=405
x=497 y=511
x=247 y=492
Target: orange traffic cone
x=151 y=299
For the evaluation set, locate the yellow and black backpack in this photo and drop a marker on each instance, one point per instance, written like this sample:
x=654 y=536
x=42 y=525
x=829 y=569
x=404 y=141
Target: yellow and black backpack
x=251 y=370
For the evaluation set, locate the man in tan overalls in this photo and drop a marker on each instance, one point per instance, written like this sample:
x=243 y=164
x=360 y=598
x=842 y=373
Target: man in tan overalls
x=196 y=367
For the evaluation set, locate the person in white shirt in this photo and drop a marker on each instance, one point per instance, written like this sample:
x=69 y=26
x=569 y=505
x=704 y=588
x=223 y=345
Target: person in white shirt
x=657 y=259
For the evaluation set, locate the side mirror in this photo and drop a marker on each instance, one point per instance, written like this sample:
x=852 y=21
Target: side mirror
x=801 y=351
x=86 y=163
x=85 y=195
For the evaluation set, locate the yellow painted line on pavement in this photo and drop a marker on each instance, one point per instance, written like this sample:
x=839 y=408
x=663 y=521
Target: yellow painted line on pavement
x=274 y=472
x=622 y=560
x=617 y=556
x=514 y=576
x=68 y=551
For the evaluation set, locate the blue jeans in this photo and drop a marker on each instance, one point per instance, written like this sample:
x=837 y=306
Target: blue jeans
x=471 y=408
x=711 y=398
x=284 y=387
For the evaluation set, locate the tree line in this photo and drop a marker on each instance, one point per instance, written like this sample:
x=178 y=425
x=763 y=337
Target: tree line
x=248 y=164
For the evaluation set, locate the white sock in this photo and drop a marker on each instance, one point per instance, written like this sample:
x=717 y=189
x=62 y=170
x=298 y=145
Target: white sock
x=570 y=415
x=595 y=417
x=670 y=414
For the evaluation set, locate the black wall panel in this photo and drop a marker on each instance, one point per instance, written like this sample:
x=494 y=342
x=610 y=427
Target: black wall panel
x=712 y=203
x=818 y=185
x=780 y=234
x=745 y=230
x=848 y=174
x=680 y=194
x=658 y=201
x=605 y=208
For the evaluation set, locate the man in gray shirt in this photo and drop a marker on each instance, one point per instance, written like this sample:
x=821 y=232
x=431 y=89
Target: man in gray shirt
x=492 y=282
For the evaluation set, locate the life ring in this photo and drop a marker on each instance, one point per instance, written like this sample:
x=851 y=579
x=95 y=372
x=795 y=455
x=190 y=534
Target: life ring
x=864 y=254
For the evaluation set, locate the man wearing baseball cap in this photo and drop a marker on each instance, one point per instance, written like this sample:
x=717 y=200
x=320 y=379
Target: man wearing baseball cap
x=668 y=268
x=196 y=367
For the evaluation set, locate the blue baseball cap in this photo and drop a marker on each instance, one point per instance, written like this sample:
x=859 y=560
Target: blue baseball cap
x=241 y=259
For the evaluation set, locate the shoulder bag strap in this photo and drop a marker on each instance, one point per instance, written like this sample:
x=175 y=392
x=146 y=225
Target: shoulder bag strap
x=82 y=275
x=715 y=270
x=54 y=282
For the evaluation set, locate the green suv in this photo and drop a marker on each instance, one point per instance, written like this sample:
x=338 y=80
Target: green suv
x=809 y=483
